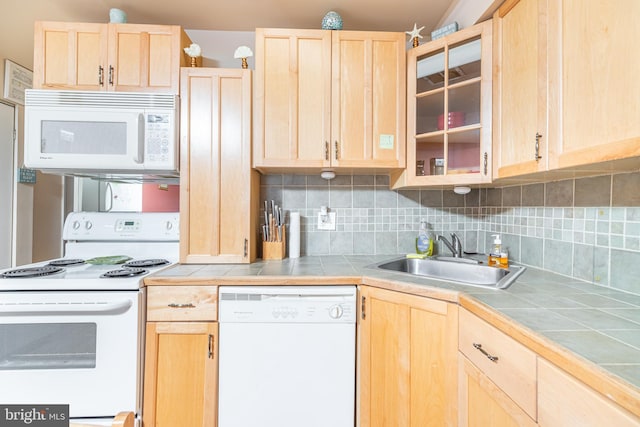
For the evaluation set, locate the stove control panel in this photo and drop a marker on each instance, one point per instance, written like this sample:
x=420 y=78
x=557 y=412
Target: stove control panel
x=125 y=226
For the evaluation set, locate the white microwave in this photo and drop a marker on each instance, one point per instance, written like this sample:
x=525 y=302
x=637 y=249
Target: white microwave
x=103 y=134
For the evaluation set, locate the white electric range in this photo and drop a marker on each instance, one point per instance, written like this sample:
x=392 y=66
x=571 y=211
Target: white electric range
x=72 y=329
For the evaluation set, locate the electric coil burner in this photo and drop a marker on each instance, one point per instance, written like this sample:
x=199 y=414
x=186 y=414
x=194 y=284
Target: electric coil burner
x=146 y=263
x=66 y=262
x=31 y=272
x=78 y=321
x=124 y=272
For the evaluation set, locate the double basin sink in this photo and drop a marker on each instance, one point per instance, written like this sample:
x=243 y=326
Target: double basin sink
x=467 y=271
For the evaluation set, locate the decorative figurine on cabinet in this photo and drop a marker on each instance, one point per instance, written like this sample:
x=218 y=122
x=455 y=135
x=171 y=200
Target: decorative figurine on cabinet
x=332 y=21
x=415 y=35
x=243 y=52
x=194 y=52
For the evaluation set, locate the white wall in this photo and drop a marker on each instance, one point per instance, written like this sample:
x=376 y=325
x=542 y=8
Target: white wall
x=218 y=47
x=468 y=12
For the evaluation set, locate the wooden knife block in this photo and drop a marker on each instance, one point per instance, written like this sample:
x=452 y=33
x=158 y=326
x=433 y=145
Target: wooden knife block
x=275 y=250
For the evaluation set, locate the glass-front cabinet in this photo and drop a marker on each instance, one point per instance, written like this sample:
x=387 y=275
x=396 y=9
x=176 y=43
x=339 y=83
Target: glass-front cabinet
x=449 y=111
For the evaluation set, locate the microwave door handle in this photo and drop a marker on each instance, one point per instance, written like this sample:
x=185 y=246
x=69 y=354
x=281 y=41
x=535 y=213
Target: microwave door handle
x=141 y=136
x=56 y=309
x=109 y=190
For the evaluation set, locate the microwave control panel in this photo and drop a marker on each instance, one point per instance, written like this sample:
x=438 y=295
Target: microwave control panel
x=158 y=130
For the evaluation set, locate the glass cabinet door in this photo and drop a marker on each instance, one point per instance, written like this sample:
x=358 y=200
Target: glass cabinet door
x=449 y=134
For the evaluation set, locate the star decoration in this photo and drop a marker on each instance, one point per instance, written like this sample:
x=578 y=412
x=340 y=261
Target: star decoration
x=415 y=33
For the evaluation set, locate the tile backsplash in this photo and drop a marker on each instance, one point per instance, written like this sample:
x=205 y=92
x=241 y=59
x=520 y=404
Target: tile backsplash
x=587 y=228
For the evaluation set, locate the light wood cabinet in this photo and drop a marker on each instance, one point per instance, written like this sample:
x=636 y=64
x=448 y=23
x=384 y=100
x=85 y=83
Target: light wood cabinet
x=449 y=107
x=181 y=368
x=594 y=97
x=329 y=99
x=407 y=362
x=565 y=96
x=182 y=303
x=483 y=404
x=111 y=57
x=566 y=401
x=497 y=376
x=180 y=385
x=218 y=189
x=520 y=89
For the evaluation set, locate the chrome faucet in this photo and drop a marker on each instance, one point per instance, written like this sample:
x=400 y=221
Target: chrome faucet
x=455 y=246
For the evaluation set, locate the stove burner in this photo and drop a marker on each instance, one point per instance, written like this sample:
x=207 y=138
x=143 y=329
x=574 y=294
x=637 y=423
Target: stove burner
x=22 y=273
x=146 y=263
x=66 y=262
x=124 y=272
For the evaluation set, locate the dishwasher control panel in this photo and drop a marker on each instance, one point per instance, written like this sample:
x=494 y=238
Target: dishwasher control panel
x=287 y=304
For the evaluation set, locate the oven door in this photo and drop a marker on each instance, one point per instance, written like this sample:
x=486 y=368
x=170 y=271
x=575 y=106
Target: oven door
x=77 y=348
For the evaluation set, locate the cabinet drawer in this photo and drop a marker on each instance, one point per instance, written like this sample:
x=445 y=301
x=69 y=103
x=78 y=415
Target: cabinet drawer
x=509 y=364
x=176 y=303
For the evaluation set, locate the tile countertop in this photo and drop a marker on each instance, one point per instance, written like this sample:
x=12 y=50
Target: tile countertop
x=591 y=331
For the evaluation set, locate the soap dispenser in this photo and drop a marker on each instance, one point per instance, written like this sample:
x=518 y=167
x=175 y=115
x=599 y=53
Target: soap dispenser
x=498 y=257
x=424 y=241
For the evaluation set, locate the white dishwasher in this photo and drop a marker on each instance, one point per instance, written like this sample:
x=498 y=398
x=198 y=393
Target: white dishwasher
x=287 y=356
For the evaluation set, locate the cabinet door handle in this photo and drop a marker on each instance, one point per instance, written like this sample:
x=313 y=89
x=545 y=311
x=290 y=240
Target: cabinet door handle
x=110 y=75
x=486 y=162
x=211 y=342
x=483 y=351
x=326 y=150
x=246 y=248
x=537 y=154
x=100 y=75
x=363 y=315
x=337 y=150
x=176 y=305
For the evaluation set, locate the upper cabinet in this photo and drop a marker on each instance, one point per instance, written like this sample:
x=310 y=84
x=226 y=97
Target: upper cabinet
x=449 y=110
x=520 y=125
x=566 y=98
x=329 y=99
x=112 y=57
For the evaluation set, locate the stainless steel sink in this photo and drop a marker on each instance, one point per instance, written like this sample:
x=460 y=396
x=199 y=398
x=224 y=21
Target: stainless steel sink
x=461 y=270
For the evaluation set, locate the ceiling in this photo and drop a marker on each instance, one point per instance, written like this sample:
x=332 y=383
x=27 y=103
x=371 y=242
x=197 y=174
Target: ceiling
x=16 y=32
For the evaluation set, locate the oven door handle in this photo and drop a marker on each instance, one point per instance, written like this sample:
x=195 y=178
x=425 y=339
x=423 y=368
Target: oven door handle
x=56 y=308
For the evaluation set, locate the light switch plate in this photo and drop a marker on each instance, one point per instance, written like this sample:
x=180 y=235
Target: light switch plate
x=327 y=221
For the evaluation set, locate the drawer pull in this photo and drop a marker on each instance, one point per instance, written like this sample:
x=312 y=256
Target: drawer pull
x=188 y=305
x=483 y=351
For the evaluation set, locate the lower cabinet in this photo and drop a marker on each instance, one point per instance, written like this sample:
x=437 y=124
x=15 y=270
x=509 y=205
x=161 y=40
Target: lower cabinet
x=497 y=376
x=408 y=350
x=564 y=401
x=181 y=366
x=484 y=404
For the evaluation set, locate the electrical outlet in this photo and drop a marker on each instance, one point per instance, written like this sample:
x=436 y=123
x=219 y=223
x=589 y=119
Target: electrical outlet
x=327 y=221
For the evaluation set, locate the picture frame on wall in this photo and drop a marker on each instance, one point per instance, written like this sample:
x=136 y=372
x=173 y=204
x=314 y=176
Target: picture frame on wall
x=16 y=80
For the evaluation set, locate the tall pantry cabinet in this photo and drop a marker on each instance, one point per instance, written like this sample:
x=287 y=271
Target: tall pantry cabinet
x=218 y=189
